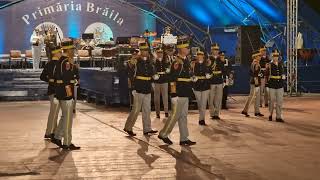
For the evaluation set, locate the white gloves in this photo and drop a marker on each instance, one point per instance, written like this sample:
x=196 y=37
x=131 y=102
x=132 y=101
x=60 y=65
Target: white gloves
x=174 y=100
x=283 y=77
x=155 y=77
x=134 y=93
x=194 y=79
x=208 y=76
x=168 y=70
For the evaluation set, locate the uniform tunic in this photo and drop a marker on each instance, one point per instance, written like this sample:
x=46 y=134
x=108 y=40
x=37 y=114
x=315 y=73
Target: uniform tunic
x=65 y=78
x=47 y=75
x=161 y=68
x=255 y=72
x=275 y=78
x=263 y=62
x=200 y=70
x=144 y=69
x=180 y=73
x=217 y=70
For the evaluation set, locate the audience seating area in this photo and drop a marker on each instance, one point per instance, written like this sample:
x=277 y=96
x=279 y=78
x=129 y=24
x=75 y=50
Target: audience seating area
x=17 y=59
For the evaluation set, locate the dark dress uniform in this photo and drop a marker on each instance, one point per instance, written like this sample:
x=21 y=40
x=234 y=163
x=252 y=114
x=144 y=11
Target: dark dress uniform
x=181 y=91
x=201 y=87
x=275 y=84
x=142 y=79
x=263 y=88
x=162 y=68
x=216 y=88
x=255 y=83
x=64 y=92
x=47 y=75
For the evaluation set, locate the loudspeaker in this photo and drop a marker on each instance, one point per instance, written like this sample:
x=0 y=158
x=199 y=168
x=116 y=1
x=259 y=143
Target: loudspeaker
x=249 y=40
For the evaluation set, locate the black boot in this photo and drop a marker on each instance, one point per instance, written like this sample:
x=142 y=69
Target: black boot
x=57 y=142
x=47 y=136
x=258 y=114
x=70 y=147
x=130 y=133
x=202 y=123
x=187 y=143
x=216 y=117
x=270 y=118
x=150 y=132
x=280 y=120
x=158 y=116
x=245 y=113
x=50 y=136
x=165 y=140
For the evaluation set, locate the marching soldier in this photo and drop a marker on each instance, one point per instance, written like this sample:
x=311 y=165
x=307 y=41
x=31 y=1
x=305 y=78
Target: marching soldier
x=142 y=79
x=161 y=85
x=227 y=68
x=263 y=89
x=47 y=75
x=65 y=81
x=276 y=78
x=131 y=71
x=181 y=90
x=255 y=82
x=216 y=87
x=201 y=87
x=68 y=50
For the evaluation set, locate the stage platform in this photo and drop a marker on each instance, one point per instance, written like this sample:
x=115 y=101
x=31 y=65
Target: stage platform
x=22 y=85
x=235 y=148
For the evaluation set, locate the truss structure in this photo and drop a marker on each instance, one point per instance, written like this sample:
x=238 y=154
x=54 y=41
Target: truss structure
x=292 y=53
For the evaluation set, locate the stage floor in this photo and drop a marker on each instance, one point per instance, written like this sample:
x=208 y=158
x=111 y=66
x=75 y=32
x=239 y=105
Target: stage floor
x=236 y=147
